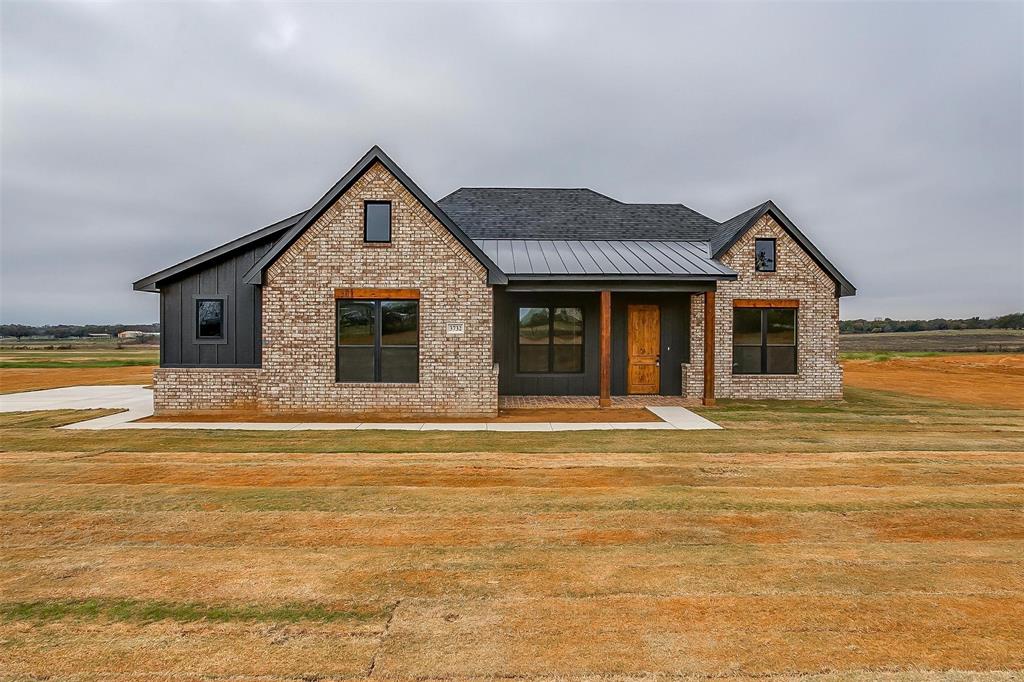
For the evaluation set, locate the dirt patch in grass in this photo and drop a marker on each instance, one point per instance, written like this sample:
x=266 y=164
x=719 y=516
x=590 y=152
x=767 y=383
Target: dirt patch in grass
x=981 y=379
x=16 y=380
x=513 y=415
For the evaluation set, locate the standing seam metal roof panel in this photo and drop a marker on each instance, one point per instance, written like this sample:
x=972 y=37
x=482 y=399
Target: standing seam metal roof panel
x=627 y=258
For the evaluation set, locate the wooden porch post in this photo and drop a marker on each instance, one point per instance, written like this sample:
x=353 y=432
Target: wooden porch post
x=709 y=348
x=606 y=349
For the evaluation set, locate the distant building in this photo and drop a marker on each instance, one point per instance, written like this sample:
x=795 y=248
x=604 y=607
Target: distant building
x=131 y=334
x=98 y=336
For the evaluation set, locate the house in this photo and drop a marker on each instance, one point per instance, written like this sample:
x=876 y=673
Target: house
x=379 y=299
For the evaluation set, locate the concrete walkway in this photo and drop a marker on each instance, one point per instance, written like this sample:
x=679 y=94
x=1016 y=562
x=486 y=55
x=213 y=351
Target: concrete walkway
x=138 y=403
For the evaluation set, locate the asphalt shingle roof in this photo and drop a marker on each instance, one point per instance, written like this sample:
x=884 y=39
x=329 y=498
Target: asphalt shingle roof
x=527 y=213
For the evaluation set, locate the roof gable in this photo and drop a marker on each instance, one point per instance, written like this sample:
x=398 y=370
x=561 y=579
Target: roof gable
x=375 y=155
x=733 y=229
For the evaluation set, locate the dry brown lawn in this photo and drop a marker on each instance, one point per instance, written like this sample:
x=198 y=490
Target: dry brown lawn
x=978 y=378
x=13 y=380
x=877 y=539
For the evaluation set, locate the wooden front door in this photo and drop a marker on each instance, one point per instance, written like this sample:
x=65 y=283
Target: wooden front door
x=643 y=372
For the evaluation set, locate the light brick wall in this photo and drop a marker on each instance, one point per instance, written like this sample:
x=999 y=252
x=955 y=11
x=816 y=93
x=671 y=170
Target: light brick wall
x=456 y=373
x=819 y=375
x=192 y=389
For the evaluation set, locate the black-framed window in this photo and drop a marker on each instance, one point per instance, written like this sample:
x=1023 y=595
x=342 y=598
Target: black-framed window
x=764 y=255
x=764 y=340
x=377 y=341
x=210 y=318
x=377 y=221
x=550 y=340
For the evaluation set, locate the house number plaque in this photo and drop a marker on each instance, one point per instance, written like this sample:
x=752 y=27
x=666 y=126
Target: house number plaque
x=456 y=328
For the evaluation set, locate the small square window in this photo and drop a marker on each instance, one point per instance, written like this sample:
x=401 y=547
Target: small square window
x=377 y=221
x=764 y=255
x=210 y=318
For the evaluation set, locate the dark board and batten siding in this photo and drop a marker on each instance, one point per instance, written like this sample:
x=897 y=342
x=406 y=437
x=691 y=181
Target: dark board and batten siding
x=675 y=342
x=243 y=345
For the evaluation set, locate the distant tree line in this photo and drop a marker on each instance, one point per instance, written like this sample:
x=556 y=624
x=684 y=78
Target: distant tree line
x=69 y=331
x=1011 y=321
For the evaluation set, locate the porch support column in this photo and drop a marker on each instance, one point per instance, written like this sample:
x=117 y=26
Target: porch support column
x=606 y=349
x=709 y=348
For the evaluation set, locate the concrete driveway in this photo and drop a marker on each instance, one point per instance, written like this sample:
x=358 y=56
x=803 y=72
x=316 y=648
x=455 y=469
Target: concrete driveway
x=138 y=400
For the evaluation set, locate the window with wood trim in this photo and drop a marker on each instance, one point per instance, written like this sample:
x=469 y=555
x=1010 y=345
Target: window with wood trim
x=764 y=340
x=378 y=340
x=550 y=340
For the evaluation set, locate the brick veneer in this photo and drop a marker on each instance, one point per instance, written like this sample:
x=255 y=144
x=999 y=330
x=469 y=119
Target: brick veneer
x=456 y=373
x=187 y=389
x=819 y=375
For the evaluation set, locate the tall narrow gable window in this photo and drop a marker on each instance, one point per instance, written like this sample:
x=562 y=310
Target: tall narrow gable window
x=764 y=339
x=764 y=255
x=377 y=222
x=378 y=340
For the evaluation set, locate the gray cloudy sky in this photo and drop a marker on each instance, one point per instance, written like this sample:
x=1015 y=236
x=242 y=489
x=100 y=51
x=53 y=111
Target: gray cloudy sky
x=135 y=135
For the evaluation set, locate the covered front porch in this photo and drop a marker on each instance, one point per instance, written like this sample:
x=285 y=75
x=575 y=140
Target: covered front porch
x=607 y=343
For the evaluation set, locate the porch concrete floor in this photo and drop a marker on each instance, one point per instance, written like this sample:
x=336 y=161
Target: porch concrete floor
x=137 y=401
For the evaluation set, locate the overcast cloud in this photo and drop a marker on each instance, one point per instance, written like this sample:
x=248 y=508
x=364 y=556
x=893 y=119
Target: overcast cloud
x=135 y=135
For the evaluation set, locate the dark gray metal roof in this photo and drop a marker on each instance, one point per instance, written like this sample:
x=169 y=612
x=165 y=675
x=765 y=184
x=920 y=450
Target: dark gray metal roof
x=526 y=213
x=591 y=257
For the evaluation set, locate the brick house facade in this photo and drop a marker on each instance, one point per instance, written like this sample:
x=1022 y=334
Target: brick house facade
x=798 y=277
x=505 y=291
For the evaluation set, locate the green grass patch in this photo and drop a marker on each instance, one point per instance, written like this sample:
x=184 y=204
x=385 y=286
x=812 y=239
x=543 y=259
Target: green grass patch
x=138 y=611
x=867 y=420
x=881 y=356
x=77 y=364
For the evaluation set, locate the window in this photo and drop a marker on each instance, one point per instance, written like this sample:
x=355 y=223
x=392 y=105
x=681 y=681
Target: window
x=209 y=318
x=550 y=340
x=764 y=341
x=764 y=255
x=378 y=341
x=377 y=221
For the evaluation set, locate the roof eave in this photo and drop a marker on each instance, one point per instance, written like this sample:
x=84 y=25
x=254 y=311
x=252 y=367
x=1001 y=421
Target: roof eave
x=151 y=283
x=648 y=277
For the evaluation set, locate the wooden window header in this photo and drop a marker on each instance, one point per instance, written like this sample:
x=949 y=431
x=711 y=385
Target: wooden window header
x=765 y=303
x=383 y=294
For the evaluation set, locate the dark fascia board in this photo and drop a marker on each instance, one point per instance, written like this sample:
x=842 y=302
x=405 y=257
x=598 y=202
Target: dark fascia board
x=620 y=278
x=663 y=286
x=843 y=286
x=152 y=282
x=255 y=274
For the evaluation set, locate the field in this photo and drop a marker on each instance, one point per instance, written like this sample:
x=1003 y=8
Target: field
x=877 y=538
x=34 y=365
x=956 y=341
